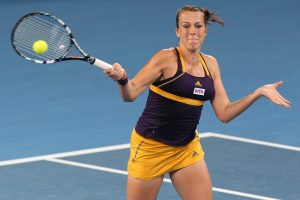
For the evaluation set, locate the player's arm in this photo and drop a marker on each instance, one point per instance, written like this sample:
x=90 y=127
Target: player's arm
x=226 y=110
x=151 y=72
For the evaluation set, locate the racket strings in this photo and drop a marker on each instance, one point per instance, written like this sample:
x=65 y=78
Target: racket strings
x=39 y=27
x=29 y=37
x=33 y=30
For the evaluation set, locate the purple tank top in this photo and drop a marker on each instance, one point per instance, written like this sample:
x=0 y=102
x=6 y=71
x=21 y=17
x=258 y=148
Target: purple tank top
x=174 y=106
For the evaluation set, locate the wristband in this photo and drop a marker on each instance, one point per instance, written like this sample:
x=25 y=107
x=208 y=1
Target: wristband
x=123 y=81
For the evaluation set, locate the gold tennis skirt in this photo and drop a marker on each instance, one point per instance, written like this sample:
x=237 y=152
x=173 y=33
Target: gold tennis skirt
x=150 y=159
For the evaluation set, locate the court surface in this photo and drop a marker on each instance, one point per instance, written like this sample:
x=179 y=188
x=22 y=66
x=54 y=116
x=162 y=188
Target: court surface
x=100 y=173
x=64 y=130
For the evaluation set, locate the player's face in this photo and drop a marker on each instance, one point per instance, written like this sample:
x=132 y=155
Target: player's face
x=191 y=30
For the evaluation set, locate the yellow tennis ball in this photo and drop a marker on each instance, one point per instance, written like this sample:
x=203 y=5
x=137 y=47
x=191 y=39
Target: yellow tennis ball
x=40 y=46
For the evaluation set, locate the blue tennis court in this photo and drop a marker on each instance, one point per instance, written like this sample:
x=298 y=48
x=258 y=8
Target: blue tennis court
x=238 y=166
x=64 y=130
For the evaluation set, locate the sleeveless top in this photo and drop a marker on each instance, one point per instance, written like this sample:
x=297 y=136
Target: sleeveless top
x=174 y=106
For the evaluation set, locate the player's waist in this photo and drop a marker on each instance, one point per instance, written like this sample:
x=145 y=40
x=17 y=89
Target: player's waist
x=172 y=136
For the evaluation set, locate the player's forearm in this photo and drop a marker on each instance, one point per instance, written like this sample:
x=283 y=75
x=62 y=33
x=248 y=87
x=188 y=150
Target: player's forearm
x=125 y=91
x=234 y=109
x=130 y=91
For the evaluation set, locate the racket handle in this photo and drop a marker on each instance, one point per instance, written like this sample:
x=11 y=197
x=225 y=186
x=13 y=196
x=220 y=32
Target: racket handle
x=101 y=64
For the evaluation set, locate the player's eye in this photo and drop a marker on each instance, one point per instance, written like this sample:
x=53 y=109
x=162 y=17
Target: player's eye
x=185 y=25
x=198 y=26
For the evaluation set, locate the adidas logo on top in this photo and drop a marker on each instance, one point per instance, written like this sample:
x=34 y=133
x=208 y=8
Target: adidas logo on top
x=198 y=83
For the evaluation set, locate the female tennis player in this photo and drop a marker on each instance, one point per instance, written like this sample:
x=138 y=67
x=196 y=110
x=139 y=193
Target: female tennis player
x=165 y=138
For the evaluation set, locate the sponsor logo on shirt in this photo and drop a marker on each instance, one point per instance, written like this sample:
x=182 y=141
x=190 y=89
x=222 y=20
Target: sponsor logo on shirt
x=198 y=84
x=199 y=91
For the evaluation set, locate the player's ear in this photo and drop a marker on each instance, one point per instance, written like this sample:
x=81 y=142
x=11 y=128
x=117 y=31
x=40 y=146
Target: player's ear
x=206 y=30
x=177 y=33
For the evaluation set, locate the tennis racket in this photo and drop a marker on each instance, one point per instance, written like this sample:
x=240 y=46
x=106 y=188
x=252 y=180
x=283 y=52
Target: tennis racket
x=57 y=35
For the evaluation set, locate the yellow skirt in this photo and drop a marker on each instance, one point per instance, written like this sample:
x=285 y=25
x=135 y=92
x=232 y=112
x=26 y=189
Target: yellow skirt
x=150 y=159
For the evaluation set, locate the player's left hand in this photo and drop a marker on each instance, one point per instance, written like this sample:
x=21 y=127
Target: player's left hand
x=270 y=91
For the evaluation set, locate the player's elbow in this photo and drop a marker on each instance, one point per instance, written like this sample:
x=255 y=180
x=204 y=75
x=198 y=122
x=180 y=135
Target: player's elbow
x=128 y=99
x=223 y=118
x=222 y=113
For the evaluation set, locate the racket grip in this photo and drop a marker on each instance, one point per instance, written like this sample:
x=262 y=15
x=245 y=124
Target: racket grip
x=101 y=64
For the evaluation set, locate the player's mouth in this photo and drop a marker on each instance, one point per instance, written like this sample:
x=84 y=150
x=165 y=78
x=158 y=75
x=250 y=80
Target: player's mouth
x=193 y=40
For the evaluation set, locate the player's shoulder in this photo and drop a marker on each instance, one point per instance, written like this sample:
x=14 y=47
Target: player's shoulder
x=165 y=55
x=211 y=63
x=209 y=58
x=169 y=52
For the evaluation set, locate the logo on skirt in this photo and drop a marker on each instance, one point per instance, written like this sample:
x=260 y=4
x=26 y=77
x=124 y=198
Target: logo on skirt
x=195 y=154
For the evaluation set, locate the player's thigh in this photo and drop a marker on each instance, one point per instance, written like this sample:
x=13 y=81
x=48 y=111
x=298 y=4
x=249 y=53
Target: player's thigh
x=193 y=182
x=138 y=189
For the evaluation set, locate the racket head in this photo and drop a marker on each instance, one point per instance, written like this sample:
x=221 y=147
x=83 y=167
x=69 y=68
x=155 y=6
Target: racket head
x=41 y=26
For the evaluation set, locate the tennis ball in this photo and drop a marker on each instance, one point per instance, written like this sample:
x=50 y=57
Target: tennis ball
x=40 y=46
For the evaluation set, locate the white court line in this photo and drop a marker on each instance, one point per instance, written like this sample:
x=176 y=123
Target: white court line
x=125 y=146
x=53 y=158
x=65 y=154
x=252 y=141
x=116 y=171
x=74 y=153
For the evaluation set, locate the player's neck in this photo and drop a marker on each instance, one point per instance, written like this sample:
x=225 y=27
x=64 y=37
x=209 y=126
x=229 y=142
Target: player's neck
x=190 y=57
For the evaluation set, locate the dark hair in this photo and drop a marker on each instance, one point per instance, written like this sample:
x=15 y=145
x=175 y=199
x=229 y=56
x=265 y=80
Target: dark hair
x=208 y=16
